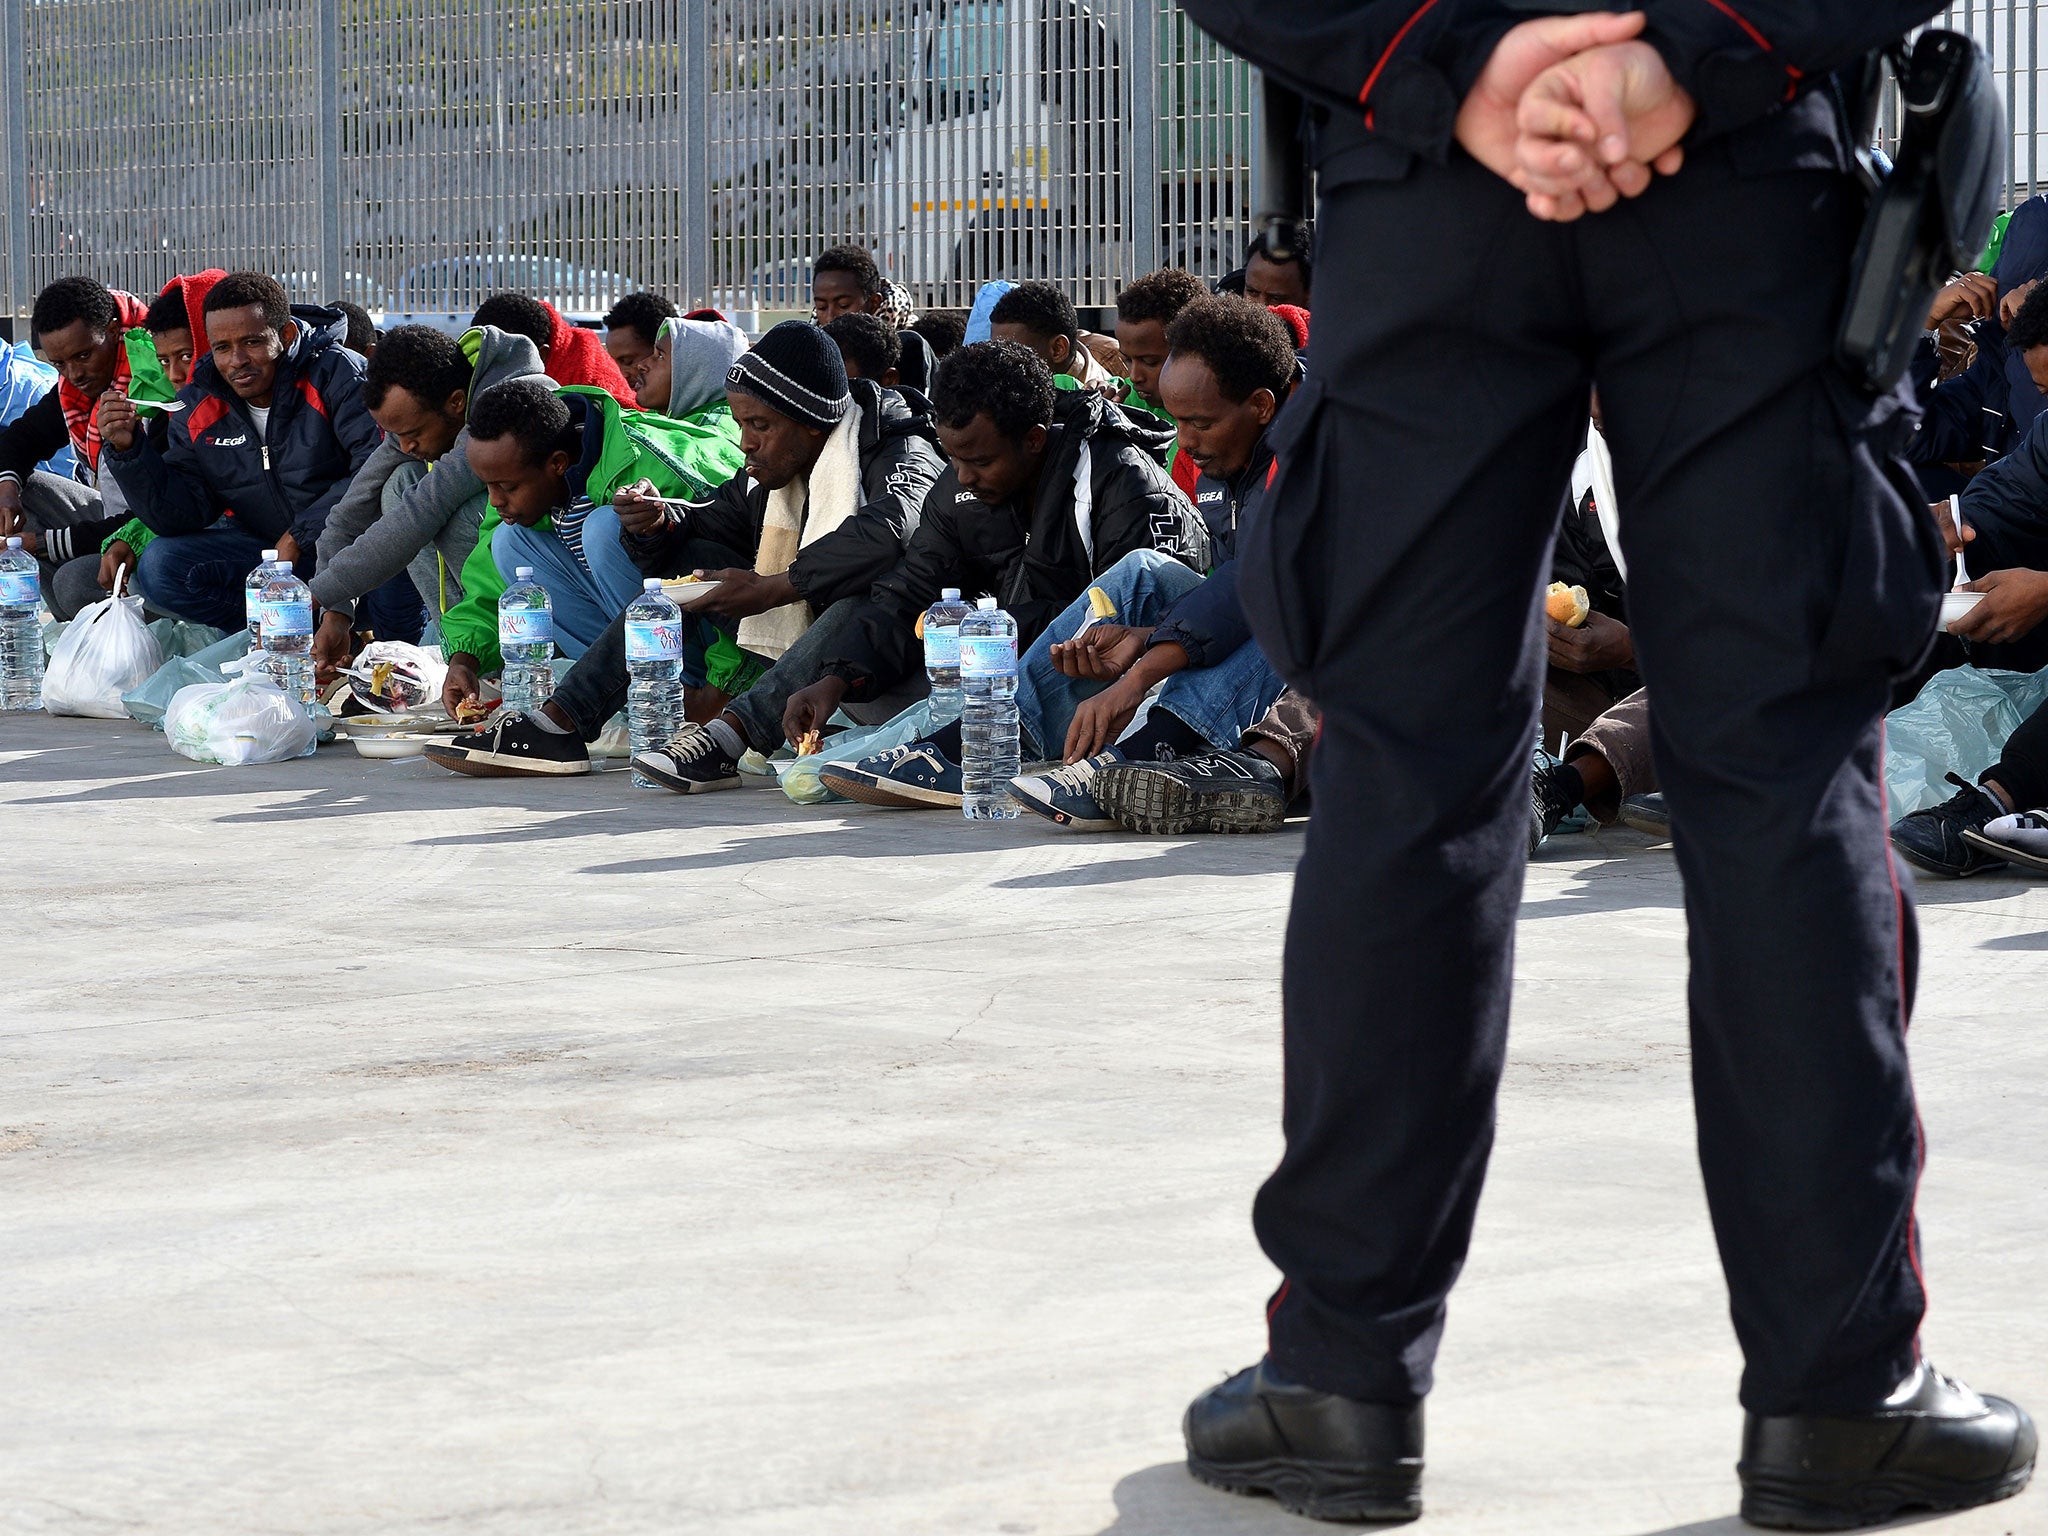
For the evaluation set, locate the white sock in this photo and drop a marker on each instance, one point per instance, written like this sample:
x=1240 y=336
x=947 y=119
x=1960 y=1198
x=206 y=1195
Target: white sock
x=541 y=718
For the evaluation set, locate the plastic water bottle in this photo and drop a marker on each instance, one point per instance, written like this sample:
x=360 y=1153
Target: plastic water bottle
x=988 y=723
x=284 y=613
x=942 y=653
x=21 y=629
x=654 y=665
x=526 y=639
x=252 y=596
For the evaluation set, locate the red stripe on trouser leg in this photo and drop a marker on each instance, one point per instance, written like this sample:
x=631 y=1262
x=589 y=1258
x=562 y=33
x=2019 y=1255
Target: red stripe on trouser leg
x=1891 y=869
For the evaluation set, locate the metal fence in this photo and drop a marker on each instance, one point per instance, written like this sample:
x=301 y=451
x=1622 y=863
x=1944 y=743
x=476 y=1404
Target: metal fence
x=417 y=155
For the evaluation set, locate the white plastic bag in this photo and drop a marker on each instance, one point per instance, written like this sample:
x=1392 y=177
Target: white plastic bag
x=392 y=675
x=105 y=652
x=248 y=720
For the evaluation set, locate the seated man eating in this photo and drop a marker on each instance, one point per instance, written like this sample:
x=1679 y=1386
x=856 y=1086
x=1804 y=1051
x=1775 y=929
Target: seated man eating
x=1083 y=681
x=553 y=460
x=273 y=431
x=397 y=518
x=1041 y=500
x=832 y=479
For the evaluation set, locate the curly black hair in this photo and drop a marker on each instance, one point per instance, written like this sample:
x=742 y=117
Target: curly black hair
x=1246 y=346
x=998 y=379
x=1041 y=309
x=2030 y=325
x=1159 y=295
x=868 y=342
x=518 y=314
x=71 y=299
x=427 y=364
x=1302 y=258
x=527 y=409
x=854 y=259
x=945 y=329
x=641 y=313
x=361 y=335
x=167 y=312
x=240 y=289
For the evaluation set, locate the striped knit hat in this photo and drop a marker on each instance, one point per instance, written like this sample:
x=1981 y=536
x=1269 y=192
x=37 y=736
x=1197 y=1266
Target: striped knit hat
x=796 y=371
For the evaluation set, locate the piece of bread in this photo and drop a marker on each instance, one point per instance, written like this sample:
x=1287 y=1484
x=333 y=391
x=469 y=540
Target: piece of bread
x=1568 y=605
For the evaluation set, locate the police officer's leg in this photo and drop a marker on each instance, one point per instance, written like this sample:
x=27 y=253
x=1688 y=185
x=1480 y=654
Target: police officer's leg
x=1778 y=580
x=1405 y=543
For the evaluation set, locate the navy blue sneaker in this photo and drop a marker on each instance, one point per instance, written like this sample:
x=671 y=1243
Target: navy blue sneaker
x=913 y=778
x=1065 y=797
x=1933 y=839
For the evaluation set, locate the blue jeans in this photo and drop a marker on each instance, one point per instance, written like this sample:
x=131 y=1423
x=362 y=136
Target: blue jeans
x=1218 y=703
x=200 y=576
x=585 y=601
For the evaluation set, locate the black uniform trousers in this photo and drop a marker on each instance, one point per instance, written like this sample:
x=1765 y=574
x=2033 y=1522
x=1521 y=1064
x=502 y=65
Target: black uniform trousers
x=1782 y=571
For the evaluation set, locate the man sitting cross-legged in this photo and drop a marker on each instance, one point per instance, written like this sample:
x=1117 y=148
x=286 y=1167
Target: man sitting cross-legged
x=1040 y=501
x=1082 y=683
x=830 y=487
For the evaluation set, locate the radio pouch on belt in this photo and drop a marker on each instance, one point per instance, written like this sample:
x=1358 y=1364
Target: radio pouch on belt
x=1932 y=214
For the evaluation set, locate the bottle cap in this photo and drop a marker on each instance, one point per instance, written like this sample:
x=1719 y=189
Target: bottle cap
x=651 y=584
x=950 y=595
x=269 y=555
x=13 y=543
x=987 y=605
x=522 y=573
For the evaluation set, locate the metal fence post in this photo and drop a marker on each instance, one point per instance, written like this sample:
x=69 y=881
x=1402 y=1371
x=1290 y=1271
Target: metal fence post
x=327 y=145
x=1141 y=196
x=14 y=40
x=694 y=171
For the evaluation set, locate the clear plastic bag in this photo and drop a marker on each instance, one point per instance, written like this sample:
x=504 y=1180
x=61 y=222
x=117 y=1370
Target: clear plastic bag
x=104 y=652
x=148 y=702
x=799 y=776
x=248 y=720
x=1958 y=725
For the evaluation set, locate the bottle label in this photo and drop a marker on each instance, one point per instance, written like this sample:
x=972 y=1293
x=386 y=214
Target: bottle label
x=526 y=626
x=252 y=605
x=988 y=656
x=653 y=641
x=941 y=646
x=20 y=589
x=284 y=617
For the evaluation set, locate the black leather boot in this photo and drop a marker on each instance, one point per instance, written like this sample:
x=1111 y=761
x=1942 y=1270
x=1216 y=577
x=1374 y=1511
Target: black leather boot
x=1933 y=1445
x=1320 y=1455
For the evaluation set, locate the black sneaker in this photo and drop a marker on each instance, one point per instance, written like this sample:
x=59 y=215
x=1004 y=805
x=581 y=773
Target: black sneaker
x=512 y=747
x=1647 y=814
x=1550 y=801
x=690 y=763
x=1933 y=839
x=1210 y=792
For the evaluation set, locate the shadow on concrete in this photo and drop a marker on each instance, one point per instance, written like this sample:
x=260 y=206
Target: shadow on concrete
x=1165 y=1501
x=2036 y=940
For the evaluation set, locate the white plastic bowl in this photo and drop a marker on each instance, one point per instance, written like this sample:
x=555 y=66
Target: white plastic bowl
x=1955 y=604
x=396 y=743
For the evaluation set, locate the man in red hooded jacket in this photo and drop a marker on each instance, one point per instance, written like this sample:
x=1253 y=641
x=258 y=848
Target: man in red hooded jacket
x=569 y=354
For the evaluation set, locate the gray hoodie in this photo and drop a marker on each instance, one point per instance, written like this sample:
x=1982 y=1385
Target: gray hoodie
x=701 y=353
x=365 y=543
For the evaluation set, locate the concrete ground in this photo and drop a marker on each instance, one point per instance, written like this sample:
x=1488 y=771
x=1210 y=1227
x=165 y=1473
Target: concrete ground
x=386 y=1152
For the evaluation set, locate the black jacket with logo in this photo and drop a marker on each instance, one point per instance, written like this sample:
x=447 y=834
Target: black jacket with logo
x=1036 y=559
x=899 y=461
x=279 y=481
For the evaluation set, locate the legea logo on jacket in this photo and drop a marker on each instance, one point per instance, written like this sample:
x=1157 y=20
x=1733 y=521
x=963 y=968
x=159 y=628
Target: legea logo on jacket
x=1210 y=496
x=230 y=442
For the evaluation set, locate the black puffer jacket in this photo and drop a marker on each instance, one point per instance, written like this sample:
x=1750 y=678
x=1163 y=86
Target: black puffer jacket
x=280 y=481
x=899 y=461
x=1032 y=559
